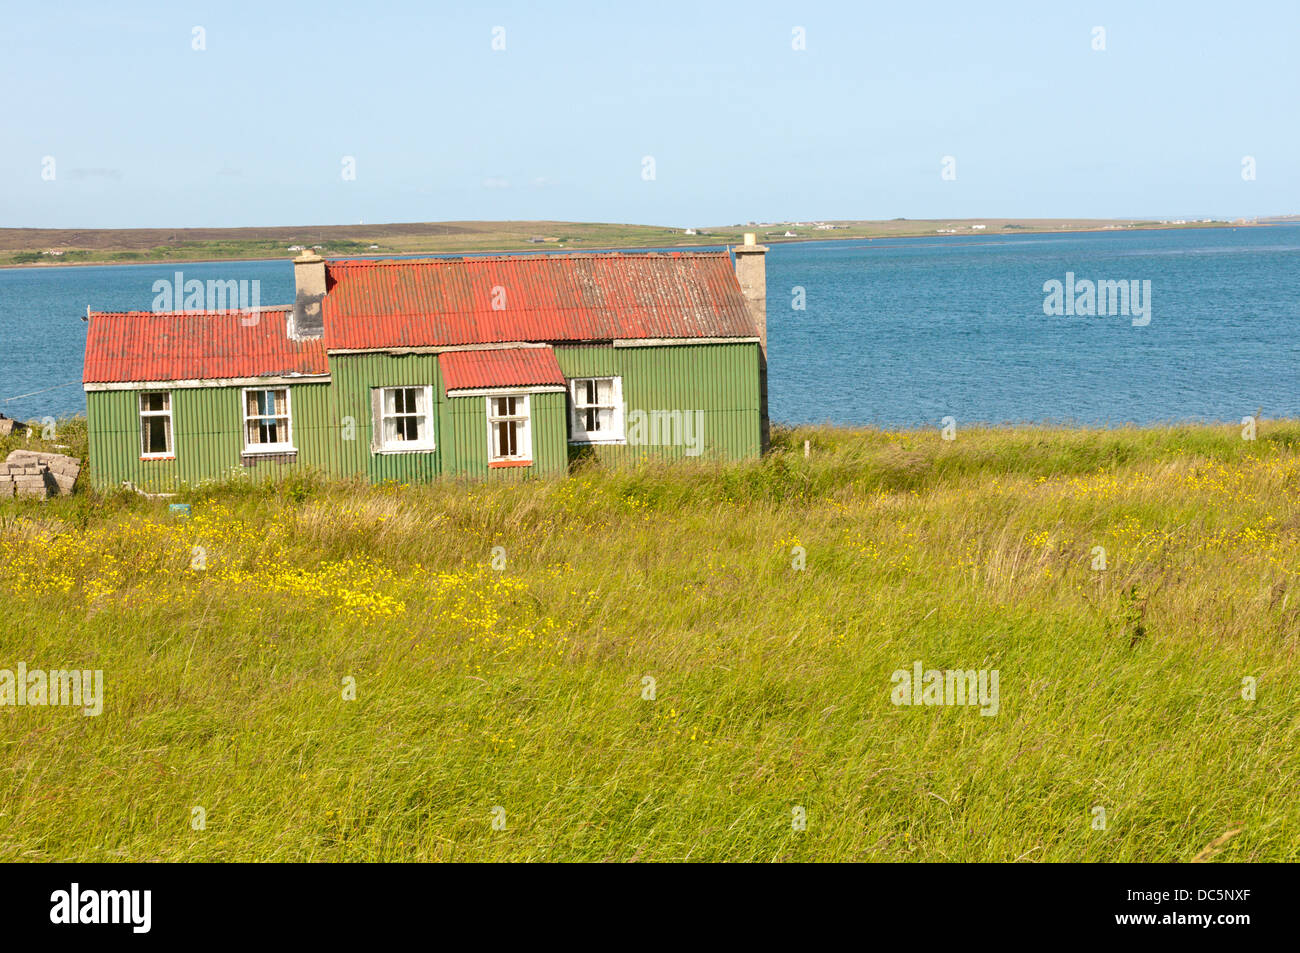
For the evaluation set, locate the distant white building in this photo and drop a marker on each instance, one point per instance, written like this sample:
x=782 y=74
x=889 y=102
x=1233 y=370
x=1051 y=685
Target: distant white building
x=976 y=228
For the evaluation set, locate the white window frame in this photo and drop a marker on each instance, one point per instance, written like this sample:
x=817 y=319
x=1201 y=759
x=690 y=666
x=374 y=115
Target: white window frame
x=380 y=415
x=285 y=446
x=523 y=436
x=170 y=431
x=577 y=432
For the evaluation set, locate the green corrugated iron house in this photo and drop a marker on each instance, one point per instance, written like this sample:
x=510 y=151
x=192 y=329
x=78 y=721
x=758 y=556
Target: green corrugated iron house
x=491 y=367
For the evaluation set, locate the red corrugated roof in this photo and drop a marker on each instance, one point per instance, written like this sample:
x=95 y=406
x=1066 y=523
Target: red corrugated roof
x=145 y=346
x=457 y=301
x=503 y=367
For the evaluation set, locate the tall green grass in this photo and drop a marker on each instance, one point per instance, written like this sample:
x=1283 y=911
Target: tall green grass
x=524 y=688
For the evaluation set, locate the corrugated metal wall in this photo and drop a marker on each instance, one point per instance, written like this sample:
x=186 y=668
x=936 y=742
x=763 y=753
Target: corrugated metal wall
x=207 y=437
x=466 y=419
x=719 y=379
x=354 y=376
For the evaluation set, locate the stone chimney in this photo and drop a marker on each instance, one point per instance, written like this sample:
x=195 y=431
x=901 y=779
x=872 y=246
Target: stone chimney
x=751 y=272
x=309 y=279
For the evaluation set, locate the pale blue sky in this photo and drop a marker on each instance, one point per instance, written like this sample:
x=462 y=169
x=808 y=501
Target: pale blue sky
x=147 y=131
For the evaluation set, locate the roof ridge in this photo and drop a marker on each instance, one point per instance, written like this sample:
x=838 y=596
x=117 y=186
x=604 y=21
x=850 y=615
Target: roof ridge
x=261 y=309
x=540 y=256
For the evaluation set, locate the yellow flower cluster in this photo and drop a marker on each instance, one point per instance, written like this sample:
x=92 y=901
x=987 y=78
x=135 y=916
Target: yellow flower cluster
x=151 y=562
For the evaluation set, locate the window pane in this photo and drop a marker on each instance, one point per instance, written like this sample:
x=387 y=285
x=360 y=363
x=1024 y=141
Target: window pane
x=156 y=434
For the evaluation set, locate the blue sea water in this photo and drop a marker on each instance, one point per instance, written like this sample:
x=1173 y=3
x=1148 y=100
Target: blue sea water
x=893 y=332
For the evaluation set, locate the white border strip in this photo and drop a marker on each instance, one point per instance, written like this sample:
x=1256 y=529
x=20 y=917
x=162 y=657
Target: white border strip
x=451 y=348
x=211 y=382
x=508 y=391
x=596 y=342
x=676 y=342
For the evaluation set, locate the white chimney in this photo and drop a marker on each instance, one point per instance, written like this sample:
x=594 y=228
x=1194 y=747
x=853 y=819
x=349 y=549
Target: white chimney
x=751 y=272
x=308 y=321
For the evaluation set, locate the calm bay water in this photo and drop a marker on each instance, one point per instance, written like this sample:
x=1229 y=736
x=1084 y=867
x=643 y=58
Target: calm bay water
x=894 y=332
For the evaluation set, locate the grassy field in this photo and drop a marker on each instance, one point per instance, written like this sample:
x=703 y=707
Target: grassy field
x=518 y=695
x=33 y=246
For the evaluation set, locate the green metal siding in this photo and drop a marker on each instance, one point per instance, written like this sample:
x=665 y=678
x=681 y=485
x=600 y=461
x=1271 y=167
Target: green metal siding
x=466 y=421
x=354 y=376
x=207 y=437
x=332 y=422
x=719 y=379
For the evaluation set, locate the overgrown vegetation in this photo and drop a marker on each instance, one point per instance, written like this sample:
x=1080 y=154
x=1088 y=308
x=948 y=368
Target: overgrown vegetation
x=226 y=638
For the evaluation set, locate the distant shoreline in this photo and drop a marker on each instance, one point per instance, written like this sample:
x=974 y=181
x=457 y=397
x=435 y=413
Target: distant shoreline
x=554 y=248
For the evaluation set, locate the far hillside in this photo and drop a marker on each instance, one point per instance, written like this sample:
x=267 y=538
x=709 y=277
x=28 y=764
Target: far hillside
x=37 y=246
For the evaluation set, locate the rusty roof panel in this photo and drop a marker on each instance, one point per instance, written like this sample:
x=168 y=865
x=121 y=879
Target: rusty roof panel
x=499 y=367
x=210 y=345
x=543 y=298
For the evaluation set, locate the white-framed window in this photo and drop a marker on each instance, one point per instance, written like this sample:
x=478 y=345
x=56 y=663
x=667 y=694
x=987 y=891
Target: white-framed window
x=156 y=425
x=267 y=426
x=403 y=419
x=596 y=410
x=509 y=430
